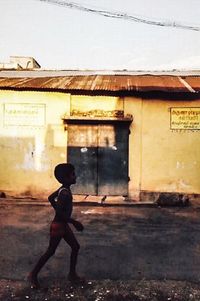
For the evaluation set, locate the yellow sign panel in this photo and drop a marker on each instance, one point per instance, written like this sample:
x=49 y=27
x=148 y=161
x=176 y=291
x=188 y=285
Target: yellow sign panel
x=185 y=118
x=24 y=114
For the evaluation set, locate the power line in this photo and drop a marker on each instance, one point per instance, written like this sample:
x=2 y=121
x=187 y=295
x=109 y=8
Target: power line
x=120 y=15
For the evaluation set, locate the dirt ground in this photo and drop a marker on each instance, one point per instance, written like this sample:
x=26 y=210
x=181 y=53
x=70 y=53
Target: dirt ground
x=126 y=254
x=102 y=290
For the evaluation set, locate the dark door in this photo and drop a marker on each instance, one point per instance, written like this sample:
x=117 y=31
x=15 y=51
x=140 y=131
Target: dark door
x=82 y=152
x=113 y=159
x=100 y=155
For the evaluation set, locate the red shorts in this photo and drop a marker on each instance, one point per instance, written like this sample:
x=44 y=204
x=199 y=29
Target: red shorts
x=57 y=229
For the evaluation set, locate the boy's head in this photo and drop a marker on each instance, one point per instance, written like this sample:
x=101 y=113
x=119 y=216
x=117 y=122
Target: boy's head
x=65 y=173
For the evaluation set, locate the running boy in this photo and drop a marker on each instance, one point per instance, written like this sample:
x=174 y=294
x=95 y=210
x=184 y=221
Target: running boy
x=61 y=201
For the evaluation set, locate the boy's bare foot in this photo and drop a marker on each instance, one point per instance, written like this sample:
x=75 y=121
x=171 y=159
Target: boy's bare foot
x=75 y=278
x=33 y=281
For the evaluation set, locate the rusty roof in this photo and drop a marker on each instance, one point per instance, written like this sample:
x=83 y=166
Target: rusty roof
x=105 y=83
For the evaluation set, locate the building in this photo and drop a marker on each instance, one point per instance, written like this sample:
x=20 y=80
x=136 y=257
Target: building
x=136 y=135
x=20 y=63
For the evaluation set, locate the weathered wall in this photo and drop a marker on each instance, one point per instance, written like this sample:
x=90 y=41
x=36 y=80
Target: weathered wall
x=134 y=106
x=171 y=160
x=32 y=140
x=161 y=159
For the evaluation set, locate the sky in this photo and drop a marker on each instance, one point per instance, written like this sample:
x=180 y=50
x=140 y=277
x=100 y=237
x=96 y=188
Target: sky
x=62 y=38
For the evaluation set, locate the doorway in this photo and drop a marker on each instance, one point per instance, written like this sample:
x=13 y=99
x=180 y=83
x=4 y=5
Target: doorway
x=99 y=152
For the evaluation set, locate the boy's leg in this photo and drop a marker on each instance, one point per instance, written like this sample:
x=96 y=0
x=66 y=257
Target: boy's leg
x=53 y=243
x=70 y=238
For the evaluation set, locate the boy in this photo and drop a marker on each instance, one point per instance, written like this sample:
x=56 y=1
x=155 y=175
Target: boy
x=61 y=201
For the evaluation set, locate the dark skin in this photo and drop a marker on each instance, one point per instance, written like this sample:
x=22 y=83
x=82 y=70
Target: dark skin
x=68 y=235
x=77 y=225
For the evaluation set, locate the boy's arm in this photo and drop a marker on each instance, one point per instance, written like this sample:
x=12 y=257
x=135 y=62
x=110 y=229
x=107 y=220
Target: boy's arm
x=76 y=224
x=52 y=197
x=60 y=209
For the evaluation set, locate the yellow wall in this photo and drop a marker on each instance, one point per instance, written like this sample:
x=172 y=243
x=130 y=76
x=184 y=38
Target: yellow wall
x=161 y=159
x=29 y=153
x=133 y=106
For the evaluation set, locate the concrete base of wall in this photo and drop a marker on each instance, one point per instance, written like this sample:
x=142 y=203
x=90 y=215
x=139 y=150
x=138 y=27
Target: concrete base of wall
x=169 y=198
x=145 y=197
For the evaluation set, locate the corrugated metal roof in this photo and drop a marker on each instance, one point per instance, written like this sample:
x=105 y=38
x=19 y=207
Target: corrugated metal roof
x=53 y=73
x=109 y=83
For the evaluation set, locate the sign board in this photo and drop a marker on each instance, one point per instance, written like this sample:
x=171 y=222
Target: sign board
x=96 y=106
x=185 y=118
x=24 y=114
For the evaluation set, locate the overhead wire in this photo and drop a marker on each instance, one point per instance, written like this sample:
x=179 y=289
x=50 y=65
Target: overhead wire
x=120 y=15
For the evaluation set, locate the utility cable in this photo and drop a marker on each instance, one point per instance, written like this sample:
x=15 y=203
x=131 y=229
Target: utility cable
x=120 y=15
